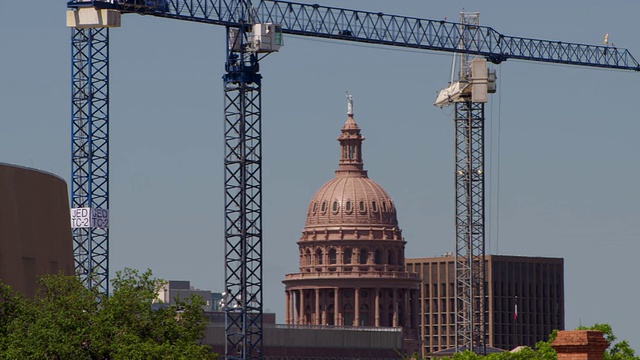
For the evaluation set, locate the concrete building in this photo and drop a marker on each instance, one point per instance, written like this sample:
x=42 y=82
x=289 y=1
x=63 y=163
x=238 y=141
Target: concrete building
x=35 y=227
x=181 y=289
x=351 y=267
x=525 y=300
x=293 y=342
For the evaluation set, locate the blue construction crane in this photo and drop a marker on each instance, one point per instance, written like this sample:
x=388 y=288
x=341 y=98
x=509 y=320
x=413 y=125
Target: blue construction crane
x=90 y=21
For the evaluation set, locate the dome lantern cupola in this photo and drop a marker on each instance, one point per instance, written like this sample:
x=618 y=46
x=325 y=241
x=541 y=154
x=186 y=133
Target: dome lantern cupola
x=350 y=145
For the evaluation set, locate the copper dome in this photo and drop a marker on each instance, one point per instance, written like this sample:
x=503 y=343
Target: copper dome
x=351 y=198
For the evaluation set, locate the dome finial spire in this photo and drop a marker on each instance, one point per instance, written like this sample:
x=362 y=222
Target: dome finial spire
x=349 y=104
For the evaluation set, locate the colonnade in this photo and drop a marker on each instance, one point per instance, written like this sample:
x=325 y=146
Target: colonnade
x=389 y=307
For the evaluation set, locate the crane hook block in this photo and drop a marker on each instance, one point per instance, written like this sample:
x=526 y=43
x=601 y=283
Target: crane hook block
x=90 y=17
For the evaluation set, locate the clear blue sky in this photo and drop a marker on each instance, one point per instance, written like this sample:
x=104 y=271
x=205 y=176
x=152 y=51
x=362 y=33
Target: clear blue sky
x=568 y=141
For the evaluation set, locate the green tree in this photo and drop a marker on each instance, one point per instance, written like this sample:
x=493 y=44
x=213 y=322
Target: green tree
x=68 y=321
x=617 y=350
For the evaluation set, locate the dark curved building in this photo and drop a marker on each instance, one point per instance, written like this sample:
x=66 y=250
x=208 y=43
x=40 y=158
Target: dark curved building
x=35 y=230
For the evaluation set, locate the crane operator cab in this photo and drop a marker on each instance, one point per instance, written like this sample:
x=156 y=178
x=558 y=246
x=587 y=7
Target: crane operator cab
x=262 y=38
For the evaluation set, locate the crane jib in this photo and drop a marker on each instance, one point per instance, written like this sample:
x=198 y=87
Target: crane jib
x=378 y=28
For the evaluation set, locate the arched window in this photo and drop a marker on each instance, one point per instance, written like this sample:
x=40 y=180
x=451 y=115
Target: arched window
x=362 y=208
x=307 y=257
x=347 y=207
x=335 y=206
x=364 y=315
x=315 y=208
x=319 y=257
x=332 y=256
x=323 y=207
x=363 y=256
x=346 y=256
x=347 y=311
x=377 y=257
x=374 y=207
x=391 y=258
x=384 y=206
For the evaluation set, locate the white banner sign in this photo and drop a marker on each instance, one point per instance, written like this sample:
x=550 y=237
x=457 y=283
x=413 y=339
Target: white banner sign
x=89 y=218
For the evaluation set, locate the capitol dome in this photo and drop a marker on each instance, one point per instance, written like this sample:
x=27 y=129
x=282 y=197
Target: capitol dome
x=351 y=206
x=351 y=198
x=351 y=252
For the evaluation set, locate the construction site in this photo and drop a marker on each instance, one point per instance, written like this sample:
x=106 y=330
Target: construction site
x=506 y=148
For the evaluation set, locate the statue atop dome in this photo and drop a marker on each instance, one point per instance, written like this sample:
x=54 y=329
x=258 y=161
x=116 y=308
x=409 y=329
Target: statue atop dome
x=349 y=104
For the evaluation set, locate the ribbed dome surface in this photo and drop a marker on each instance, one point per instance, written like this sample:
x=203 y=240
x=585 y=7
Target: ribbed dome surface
x=351 y=199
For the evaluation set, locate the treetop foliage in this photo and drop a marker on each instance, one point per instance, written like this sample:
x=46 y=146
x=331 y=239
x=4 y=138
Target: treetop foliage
x=543 y=350
x=68 y=321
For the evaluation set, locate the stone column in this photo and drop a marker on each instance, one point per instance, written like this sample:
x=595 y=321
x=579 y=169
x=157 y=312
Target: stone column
x=287 y=307
x=356 y=307
x=295 y=304
x=336 y=305
x=377 y=307
x=323 y=309
x=580 y=345
x=301 y=317
x=405 y=297
x=395 y=308
x=317 y=312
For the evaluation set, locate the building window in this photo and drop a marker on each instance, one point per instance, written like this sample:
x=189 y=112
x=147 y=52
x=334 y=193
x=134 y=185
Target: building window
x=335 y=206
x=347 y=207
x=374 y=207
x=384 y=206
x=346 y=257
x=332 y=256
x=362 y=208
x=377 y=258
x=323 y=207
x=348 y=314
x=363 y=256
x=315 y=207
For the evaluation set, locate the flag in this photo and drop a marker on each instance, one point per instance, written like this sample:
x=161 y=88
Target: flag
x=605 y=41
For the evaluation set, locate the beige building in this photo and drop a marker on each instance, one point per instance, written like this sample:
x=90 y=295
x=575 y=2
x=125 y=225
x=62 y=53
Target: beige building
x=35 y=227
x=352 y=269
x=525 y=300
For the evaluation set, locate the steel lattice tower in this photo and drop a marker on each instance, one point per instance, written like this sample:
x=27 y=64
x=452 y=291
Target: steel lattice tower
x=469 y=257
x=243 y=200
x=469 y=179
x=90 y=155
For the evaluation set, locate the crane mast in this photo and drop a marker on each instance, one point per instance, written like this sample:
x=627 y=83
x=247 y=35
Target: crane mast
x=90 y=155
x=468 y=93
x=254 y=30
x=243 y=195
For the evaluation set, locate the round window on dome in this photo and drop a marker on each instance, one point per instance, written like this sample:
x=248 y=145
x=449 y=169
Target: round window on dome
x=347 y=207
x=374 y=207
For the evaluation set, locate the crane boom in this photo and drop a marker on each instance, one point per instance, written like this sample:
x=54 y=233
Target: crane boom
x=382 y=29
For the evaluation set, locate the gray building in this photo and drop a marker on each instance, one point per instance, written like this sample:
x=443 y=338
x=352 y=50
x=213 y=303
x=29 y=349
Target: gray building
x=182 y=289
